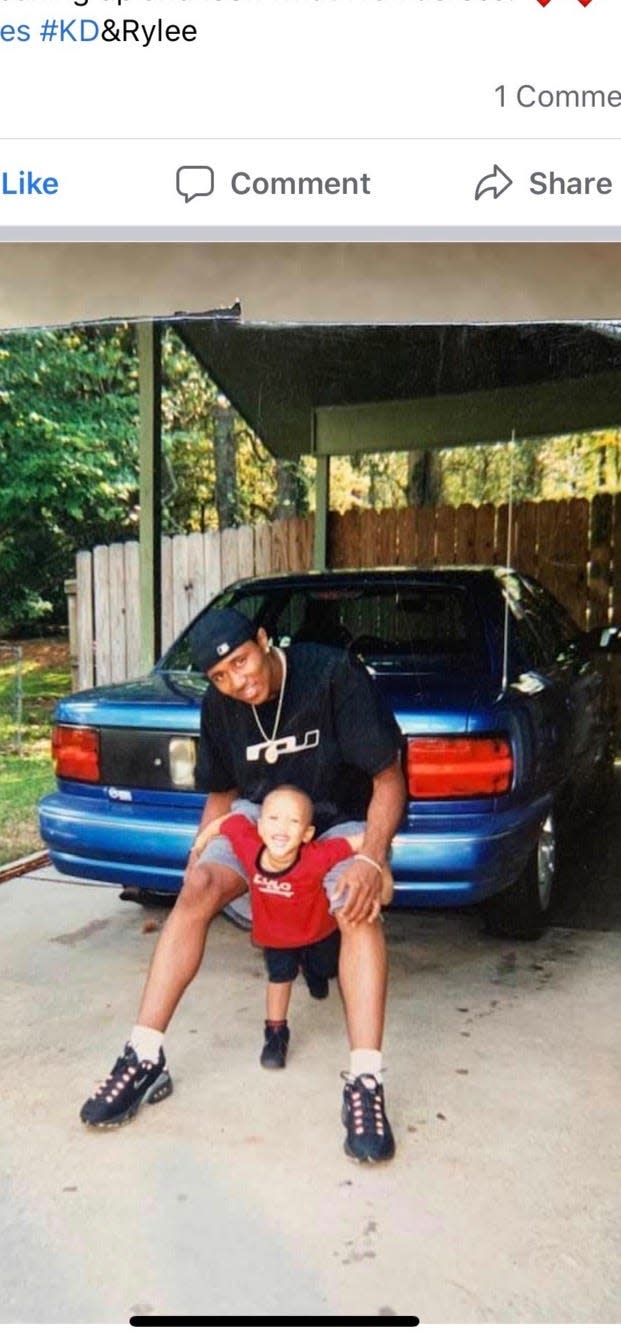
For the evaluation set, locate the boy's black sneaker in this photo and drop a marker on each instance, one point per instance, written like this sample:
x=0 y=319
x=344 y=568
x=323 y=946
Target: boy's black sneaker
x=274 y=1052
x=131 y=1082
x=318 y=985
x=369 y=1136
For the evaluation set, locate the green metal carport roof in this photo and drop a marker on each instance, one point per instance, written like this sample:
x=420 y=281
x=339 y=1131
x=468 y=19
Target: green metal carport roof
x=336 y=389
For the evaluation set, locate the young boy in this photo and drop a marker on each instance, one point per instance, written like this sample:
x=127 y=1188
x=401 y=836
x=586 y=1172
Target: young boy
x=290 y=916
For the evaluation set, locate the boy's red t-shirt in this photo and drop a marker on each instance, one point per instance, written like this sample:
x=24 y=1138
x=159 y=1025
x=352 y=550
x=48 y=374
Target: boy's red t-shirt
x=290 y=908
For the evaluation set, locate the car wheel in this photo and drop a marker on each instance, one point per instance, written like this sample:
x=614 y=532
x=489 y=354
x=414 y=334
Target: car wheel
x=521 y=911
x=238 y=912
x=144 y=896
x=602 y=789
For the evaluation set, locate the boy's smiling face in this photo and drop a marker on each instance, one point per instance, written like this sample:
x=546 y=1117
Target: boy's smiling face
x=285 y=824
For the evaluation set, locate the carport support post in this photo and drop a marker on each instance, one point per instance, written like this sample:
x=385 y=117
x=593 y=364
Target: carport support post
x=322 y=504
x=150 y=386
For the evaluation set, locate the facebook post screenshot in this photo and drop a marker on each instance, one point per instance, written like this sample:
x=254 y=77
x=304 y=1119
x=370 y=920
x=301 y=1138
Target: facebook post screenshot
x=310 y=653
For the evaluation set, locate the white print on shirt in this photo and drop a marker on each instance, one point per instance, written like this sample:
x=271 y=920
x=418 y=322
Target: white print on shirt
x=272 y=887
x=282 y=746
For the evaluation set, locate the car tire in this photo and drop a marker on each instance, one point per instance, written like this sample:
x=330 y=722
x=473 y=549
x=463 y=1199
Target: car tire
x=522 y=910
x=144 y=896
x=602 y=790
x=238 y=913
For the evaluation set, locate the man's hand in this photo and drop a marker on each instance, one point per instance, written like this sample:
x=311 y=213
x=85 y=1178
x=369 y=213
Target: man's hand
x=204 y=836
x=217 y=808
x=366 y=879
x=363 y=883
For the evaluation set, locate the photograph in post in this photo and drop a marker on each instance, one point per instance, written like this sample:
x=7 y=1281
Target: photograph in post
x=310 y=639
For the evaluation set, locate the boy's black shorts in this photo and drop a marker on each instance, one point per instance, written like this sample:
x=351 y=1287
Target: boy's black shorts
x=320 y=960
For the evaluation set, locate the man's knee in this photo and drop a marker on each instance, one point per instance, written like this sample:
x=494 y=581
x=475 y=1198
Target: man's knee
x=362 y=934
x=206 y=890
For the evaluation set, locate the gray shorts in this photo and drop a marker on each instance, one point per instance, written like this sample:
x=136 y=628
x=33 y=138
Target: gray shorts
x=220 y=850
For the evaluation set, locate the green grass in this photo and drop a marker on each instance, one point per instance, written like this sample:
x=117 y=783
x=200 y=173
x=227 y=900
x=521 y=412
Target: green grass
x=26 y=775
x=23 y=781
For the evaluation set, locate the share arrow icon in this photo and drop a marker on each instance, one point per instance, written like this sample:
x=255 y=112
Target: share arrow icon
x=496 y=182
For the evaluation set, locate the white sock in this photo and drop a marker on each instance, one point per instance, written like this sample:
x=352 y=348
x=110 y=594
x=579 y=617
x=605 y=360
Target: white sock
x=147 y=1042
x=366 y=1061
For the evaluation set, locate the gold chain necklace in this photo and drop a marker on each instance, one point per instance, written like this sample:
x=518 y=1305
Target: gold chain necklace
x=271 y=754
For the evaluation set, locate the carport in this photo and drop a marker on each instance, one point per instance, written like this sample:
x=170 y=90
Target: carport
x=335 y=389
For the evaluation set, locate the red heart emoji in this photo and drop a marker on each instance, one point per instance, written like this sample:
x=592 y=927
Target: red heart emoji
x=584 y=2
x=546 y=2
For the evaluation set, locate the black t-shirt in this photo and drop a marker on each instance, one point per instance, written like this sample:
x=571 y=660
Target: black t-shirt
x=335 y=733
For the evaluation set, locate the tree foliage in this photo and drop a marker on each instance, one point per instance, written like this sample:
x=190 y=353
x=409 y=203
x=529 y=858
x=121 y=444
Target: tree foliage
x=557 y=467
x=68 y=458
x=198 y=496
x=369 y=480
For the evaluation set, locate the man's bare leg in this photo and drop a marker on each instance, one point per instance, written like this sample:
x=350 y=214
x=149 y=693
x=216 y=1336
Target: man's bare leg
x=363 y=978
x=207 y=888
x=363 y=981
x=140 y=1074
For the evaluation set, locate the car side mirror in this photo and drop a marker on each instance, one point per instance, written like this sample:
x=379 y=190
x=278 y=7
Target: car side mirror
x=604 y=639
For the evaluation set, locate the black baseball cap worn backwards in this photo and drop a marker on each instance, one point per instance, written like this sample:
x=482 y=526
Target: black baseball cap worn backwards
x=217 y=634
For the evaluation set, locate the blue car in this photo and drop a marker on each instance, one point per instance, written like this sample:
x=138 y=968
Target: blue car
x=503 y=702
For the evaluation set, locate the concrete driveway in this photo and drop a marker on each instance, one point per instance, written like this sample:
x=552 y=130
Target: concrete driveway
x=234 y=1196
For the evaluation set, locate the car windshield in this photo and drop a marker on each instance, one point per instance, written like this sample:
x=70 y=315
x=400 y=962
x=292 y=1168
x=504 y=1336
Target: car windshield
x=421 y=626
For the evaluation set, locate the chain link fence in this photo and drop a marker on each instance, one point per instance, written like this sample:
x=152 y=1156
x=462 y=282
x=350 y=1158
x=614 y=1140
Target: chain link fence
x=11 y=698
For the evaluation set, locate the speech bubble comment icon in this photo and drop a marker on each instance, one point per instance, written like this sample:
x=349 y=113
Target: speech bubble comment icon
x=194 y=179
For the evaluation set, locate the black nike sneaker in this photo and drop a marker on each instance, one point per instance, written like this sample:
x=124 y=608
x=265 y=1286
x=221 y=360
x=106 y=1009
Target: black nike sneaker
x=274 y=1052
x=131 y=1082
x=369 y=1136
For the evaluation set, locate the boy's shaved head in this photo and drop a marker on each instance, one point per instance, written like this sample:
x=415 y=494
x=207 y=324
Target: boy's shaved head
x=292 y=791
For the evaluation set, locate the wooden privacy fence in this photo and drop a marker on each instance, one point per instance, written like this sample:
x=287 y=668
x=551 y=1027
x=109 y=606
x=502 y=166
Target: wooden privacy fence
x=572 y=546
x=104 y=600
